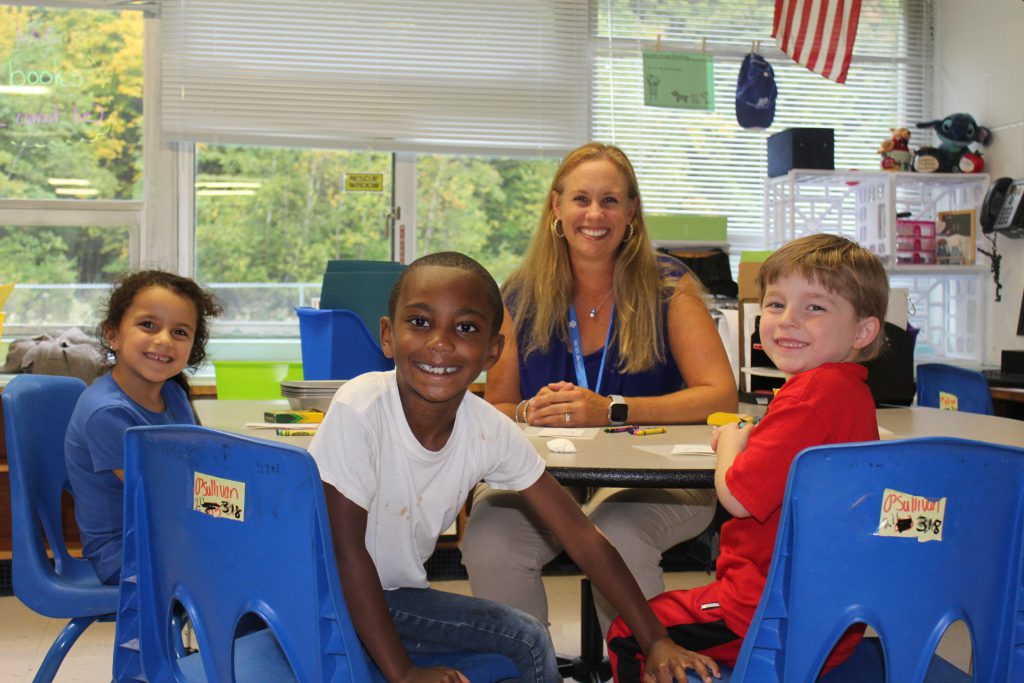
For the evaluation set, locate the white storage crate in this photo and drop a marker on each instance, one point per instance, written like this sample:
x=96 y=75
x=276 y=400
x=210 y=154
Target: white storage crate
x=948 y=307
x=947 y=303
x=862 y=205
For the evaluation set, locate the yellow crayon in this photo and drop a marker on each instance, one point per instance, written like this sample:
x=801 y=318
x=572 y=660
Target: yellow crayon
x=296 y=432
x=645 y=432
x=720 y=419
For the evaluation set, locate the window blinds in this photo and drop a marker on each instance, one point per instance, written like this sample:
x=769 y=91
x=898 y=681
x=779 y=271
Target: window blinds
x=451 y=76
x=703 y=162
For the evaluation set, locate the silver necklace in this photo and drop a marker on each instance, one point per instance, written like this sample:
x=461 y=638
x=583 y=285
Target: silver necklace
x=595 y=309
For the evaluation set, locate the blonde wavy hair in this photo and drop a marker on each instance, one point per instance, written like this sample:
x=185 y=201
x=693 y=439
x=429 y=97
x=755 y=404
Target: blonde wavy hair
x=542 y=287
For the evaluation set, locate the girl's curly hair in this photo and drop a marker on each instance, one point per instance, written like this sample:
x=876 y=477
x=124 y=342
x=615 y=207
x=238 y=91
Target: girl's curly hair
x=125 y=290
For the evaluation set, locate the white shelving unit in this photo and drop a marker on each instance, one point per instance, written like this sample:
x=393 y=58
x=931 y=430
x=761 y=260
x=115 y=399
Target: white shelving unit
x=947 y=303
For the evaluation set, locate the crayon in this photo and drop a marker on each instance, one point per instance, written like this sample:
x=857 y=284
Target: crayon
x=652 y=430
x=720 y=419
x=293 y=416
x=619 y=430
x=296 y=432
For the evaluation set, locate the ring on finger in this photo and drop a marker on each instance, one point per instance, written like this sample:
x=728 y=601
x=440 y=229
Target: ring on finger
x=567 y=417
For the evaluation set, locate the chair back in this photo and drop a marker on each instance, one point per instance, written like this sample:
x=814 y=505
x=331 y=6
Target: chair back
x=906 y=536
x=337 y=345
x=954 y=388
x=362 y=287
x=223 y=526
x=37 y=409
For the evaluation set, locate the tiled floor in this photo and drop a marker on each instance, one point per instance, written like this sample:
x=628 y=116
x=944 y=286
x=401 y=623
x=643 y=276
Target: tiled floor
x=25 y=636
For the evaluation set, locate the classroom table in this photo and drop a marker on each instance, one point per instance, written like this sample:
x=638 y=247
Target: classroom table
x=646 y=461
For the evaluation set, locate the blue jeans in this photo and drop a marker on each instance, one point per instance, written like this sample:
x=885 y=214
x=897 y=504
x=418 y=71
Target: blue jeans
x=431 y=621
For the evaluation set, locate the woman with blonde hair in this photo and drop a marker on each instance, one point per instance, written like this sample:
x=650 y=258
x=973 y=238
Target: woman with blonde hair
x=599 y=330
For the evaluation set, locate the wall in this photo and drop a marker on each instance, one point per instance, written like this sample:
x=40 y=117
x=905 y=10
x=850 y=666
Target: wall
x=980 y=70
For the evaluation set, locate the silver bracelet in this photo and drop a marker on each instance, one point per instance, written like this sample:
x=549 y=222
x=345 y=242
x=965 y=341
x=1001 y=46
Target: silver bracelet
x=518 y=407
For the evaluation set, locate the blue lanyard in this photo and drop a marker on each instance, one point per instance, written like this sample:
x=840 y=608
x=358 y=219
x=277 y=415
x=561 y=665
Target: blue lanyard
x=577 y=350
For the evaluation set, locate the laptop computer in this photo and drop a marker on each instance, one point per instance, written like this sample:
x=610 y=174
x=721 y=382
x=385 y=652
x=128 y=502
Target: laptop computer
x=1010 y=373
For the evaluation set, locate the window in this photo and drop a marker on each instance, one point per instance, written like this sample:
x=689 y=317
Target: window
x=485 y=207
x=479 y=200
x=70 y=159
x=71 y=115
x=702 y=162
x=446 y=76
x=471 y=120
x=267 y=221
x=463 y=106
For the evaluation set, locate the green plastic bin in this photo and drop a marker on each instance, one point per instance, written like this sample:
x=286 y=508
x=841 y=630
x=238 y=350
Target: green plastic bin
x=253 y=379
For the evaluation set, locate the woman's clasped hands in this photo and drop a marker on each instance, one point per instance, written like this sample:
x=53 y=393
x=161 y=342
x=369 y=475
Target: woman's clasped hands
x=564 y=404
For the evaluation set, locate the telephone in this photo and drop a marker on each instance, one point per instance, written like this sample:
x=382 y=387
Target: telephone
x=1003 y=208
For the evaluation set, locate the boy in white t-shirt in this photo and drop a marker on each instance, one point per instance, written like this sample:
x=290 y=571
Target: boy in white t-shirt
x=400 y=451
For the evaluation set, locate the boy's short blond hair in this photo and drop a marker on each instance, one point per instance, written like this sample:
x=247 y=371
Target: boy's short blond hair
x=841 y=266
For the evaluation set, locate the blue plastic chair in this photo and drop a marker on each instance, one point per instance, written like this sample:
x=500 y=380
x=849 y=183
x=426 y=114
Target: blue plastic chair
x=968 y=386
x=831 y=568
x=337 y=345
x=37 y=409
x=220 y=527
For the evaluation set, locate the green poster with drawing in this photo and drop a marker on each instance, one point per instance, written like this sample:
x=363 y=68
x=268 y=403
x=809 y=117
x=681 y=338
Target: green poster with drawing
x=679 y=80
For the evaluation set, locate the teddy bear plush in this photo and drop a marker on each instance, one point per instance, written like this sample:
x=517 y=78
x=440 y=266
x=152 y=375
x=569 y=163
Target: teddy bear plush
x=895 y=151
x=955 y=154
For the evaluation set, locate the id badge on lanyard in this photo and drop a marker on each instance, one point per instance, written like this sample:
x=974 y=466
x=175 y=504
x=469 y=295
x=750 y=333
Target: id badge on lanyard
x=577 y=350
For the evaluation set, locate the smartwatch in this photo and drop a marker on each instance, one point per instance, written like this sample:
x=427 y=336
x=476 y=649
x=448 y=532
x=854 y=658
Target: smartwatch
x=618 y=411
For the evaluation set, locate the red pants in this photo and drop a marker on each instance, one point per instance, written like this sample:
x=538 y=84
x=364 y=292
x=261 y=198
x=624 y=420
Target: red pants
x=693 y=620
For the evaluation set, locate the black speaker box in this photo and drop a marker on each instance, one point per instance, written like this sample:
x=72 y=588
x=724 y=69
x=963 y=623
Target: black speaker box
x=812 y=148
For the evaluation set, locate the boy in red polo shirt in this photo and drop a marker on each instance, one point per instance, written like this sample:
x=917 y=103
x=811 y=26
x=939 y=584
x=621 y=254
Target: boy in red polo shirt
x=823 y=300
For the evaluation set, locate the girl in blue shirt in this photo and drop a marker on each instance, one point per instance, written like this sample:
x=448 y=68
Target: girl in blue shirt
x=155 y=325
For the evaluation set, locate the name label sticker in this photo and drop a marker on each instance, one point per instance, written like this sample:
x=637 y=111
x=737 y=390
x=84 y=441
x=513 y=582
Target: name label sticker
x=219 y=497
x=948 y=402
x=904 y=515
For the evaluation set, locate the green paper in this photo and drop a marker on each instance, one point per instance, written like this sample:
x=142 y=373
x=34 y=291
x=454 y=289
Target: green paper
x=755 y=256
x=679 y=80
x=687 y=227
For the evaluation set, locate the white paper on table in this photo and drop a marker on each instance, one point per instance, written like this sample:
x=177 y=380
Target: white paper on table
x=675 y=450
x=695 y=455
x=688 y=456
x=692 y=449
x=573 y=432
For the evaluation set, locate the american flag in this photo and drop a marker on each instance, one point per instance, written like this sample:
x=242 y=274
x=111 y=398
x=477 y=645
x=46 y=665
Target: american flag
x=818 y=34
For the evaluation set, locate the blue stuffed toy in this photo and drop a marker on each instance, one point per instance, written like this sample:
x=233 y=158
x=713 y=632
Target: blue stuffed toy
x=957 y=132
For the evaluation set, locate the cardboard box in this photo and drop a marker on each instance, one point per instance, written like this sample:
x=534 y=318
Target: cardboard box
x=748 y=280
